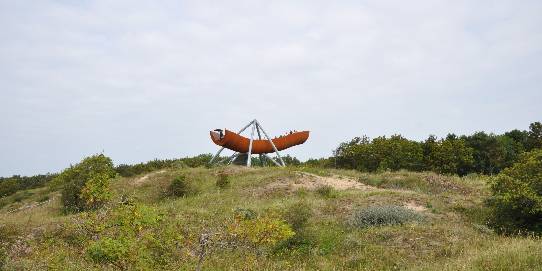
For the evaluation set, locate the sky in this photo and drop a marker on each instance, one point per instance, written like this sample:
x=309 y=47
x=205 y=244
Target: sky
x=138 y=80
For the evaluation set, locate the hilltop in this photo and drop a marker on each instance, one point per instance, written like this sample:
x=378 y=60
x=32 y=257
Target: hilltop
x=312 y=218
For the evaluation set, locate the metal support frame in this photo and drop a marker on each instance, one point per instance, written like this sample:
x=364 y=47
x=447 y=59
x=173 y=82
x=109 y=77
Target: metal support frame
x=272 y=160
x=255 y=126
x=249 y=161
x=272 y=144
x=260 y=138
x=231 y=158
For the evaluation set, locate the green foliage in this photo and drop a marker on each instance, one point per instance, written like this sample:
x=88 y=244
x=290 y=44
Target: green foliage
x=244 y=213
x=156 y=164
x=516 y=199
x=132 y=170
x=127 y=236
x=534 y=138
x=450 y=155
x=197 y=161
x=43 y=198
x=131 y=218
x=11 y=185
x=108 y=250
x=288 y=160
x=326 y=191
x=180 y=187
x=320 y=163
x=297 y=215
x=263 y=231
x=86 y=185
x=381 y=153
x=223 y=180
x=3 y=256
x=491 y=153
x=479 y=152
x=383 y=216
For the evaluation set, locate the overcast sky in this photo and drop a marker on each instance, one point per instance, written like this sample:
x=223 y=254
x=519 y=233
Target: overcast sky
x=148 y=79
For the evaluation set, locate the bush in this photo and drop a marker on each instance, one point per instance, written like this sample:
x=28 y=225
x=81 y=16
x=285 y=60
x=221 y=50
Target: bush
x=126 y=236
x=516 y=201
x=3 y=256
x=261 y=231
x=244 y=214
x=86 y=185
x=383 y=216
x=108 y=250
x=326 y=191
x=223 y=180
x=297 y=215
x=179 y=187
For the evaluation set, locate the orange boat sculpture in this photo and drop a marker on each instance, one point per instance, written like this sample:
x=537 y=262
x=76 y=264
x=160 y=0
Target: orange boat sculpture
x=245 y=147
x=235 y=142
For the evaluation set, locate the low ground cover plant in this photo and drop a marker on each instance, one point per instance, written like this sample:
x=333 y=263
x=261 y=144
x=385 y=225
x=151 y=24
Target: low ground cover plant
x=180 y=187
x=386 y=215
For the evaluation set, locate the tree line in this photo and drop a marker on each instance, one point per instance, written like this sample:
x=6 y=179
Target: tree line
x=477 y=153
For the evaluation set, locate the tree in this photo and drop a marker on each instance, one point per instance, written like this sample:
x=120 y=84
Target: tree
x=383 y=153
x=486 y=152
x=534 y=138
x=86 y=185
x=516 y=200
x=451 y=156
x=397 y=153
x=519 y=137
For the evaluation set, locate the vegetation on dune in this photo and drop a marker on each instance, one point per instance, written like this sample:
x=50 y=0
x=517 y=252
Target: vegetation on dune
x=86 y=185
x=247 y=227
x=11 y=185
x=516 y=201
x=477 y=153
x=184 y=215
x=383 y=216
x=180 y=187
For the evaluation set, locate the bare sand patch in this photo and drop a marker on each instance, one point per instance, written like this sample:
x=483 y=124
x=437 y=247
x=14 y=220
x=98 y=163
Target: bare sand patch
x=414 y=206
x=143 y=179
x=311 y=182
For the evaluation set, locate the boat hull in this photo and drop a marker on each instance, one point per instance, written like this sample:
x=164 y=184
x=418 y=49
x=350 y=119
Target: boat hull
x=238 y=143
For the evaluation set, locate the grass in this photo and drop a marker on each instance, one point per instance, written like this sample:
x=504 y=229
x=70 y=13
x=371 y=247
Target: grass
x=451 y=237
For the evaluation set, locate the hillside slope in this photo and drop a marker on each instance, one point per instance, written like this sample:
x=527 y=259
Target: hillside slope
x=203 y=228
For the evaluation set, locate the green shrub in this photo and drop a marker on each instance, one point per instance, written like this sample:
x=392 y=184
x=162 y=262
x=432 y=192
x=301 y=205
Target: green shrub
x=108 y=250
x=3 y=256
x=326 y=191
x=297 y=215
x=127 y=235
x=261 y=231
x=132 y=218
x=516 y=201
x=9 y=232
x=383 y=216
x=86 y=185
x=179 y=187
x=19 y=197
x=244 y=213
x=223 y=180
